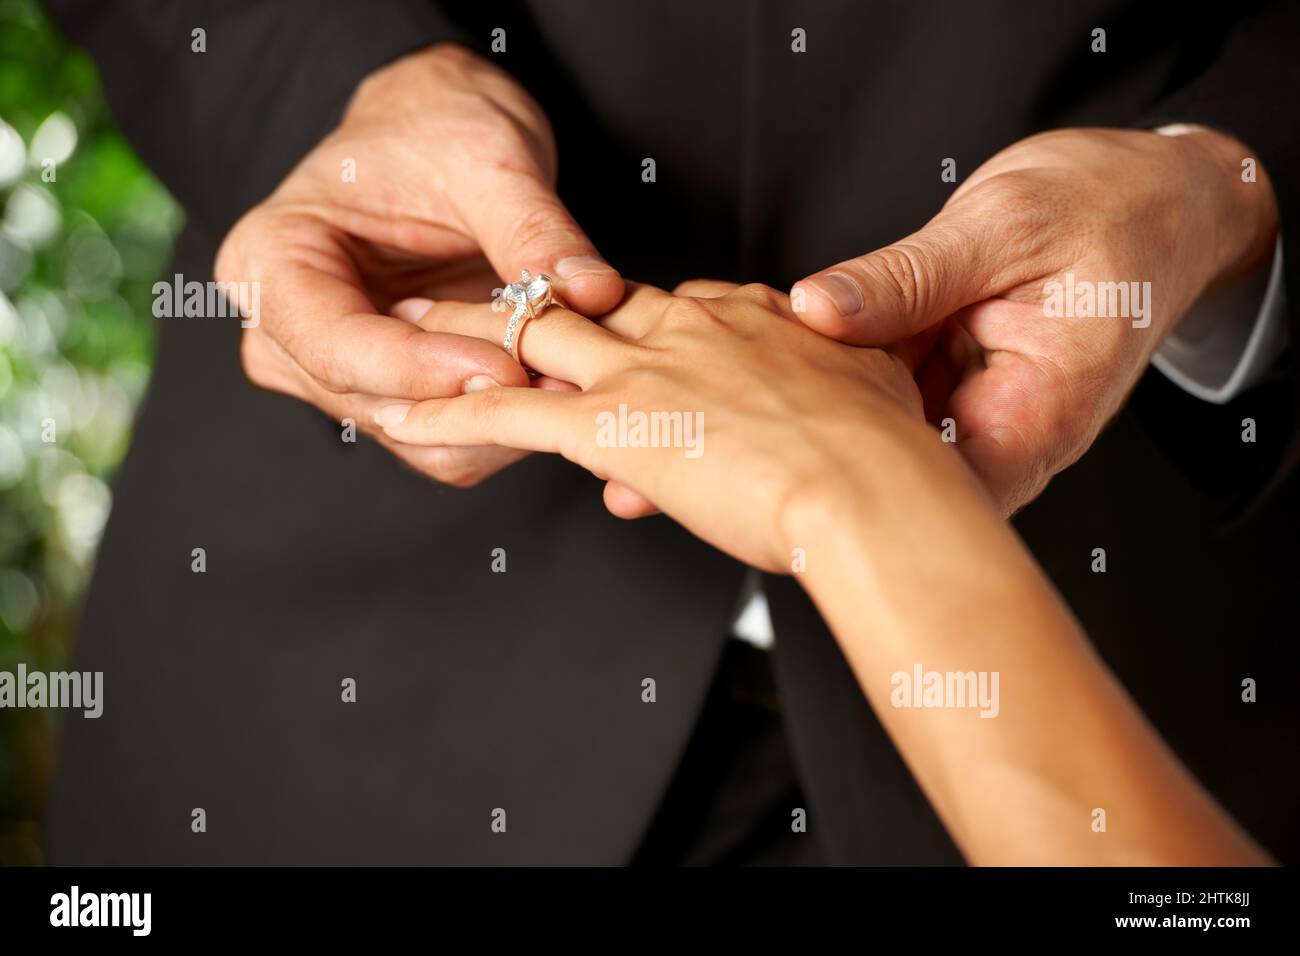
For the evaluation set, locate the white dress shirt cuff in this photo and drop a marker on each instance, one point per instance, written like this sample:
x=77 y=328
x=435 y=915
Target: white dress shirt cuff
x=1227 y=343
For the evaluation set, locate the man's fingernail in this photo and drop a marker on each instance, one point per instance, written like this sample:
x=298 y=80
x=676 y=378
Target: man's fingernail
x=842 y=292
x=391 y=415
x=478 y=383
x=574 y=266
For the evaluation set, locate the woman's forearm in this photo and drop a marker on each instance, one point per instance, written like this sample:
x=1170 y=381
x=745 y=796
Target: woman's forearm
x=1022 y=740
x=907 y=559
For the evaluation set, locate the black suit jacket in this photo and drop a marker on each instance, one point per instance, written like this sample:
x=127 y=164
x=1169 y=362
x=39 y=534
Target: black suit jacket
x=522 y=691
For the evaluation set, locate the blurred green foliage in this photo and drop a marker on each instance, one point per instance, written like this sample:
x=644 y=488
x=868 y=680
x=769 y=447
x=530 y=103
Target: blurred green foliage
x=84 y=232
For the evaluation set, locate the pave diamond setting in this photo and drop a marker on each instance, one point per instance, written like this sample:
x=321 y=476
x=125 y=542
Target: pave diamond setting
x=529 y=295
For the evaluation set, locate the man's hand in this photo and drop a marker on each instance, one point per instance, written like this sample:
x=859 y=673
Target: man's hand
x=440 y=160
x=1030 y=386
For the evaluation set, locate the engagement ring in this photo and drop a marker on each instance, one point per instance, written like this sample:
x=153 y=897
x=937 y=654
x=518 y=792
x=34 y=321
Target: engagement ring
x=530 y=295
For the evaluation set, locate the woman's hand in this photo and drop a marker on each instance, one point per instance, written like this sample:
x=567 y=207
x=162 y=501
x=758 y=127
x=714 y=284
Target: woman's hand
x=713 y=403
x=777 y=438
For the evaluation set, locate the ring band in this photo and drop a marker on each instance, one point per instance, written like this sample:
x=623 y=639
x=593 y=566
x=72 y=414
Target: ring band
x=530 y=296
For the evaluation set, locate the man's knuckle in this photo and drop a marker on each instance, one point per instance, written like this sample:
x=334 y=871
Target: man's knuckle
x=255 y=361
x=903 y=268
x=319 y=360
x=459 y=473
x=447 y=466
x=540 y=225
x=229 y=264
x=488 y=139
x=1017 y=197
x=1025 y=208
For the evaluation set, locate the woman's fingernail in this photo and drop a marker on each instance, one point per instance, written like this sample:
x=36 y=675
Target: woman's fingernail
x=391 y=415
x=411 y=310
x=574 y=266
x=478 y=383
x=842 y=292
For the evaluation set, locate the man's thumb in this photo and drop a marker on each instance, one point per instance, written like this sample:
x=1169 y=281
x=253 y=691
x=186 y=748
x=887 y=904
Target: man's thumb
x=900 y=290
x=521 y=224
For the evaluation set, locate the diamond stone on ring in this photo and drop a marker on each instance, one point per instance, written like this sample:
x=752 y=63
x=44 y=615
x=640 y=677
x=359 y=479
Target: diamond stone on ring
x=530 y=295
